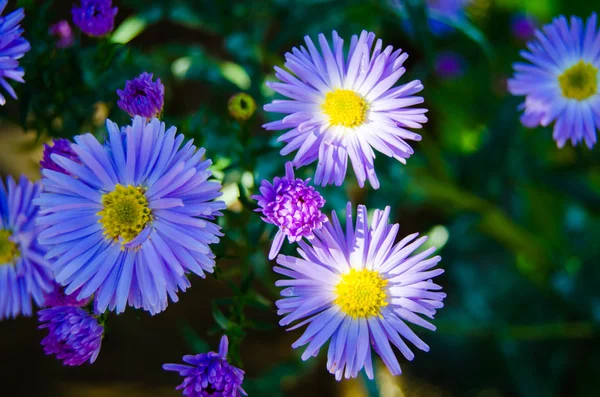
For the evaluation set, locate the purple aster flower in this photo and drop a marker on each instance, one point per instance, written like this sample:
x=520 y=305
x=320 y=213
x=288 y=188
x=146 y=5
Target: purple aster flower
x=95 y=17
x=24 y=274
x=449 y=65
x=358 y=290
x=74 y=335
x=291 y=205
x=63 y=33
x=61 y=147
x=523 y=27
x=128 y=223
x=57 y=297
x=12 y=48
x=560 y=84
x=209 y=374
x=142 y=96
x=344 y=107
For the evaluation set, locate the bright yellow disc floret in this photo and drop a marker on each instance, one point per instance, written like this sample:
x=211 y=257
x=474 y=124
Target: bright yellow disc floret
x=125 y=213
x=580 y=81
x=9 y=251
x=361 y=293
x=345 y=108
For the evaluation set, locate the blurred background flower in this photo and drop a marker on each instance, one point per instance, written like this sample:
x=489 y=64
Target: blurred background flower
x=449 y=65
x=523 y=26
x=95 y=17
x=63 y=33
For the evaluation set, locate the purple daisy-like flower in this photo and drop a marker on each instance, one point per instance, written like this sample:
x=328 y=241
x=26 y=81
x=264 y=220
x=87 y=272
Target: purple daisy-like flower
x=61 y=147
x=209 y=374
x=358 y=289
x=95 y=17
x=142 y=96
x=291 y=205
x=12 y=48
x=74 y=335
x=561 y=83
x=132 y=219
x=57 y=297
x=344 y=107
x=63 y=33
x=24 y=273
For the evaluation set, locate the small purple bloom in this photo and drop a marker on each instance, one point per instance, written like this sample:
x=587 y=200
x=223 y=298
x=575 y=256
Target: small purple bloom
x=12 y=48
x=209 y=375
x=74 y=335
x=291 y=205
x=63 y=33
x=523 y=26
x=142 y=96
x=58 y=297
x=61 y=147
x=95 y=17
x=449 y=65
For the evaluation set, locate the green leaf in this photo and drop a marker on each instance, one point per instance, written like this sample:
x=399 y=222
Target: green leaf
x=220 y=318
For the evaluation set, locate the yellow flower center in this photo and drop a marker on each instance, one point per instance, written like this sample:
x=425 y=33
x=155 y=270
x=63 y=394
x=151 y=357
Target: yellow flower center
x=345 y=107
x=361 y=293
x=125 y=213
x=9 y=251
x=580 y=81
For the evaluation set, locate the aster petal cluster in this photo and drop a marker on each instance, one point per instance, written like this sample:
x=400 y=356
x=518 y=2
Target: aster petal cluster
x=61 y=147
x=95 y=17
x=561 y=82
x=132 y=219
x=209 y=374
x=74 y=335
x=291 y=205
x=344 y=107
x=142 y=96
x=12 y=48
x=24 y=273
x=358 y=290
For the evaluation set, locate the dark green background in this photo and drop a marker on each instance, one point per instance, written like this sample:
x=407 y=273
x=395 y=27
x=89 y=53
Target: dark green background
x=519 y=220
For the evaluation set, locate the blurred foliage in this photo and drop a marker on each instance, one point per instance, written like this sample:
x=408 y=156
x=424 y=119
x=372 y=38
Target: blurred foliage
x=519 y=220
